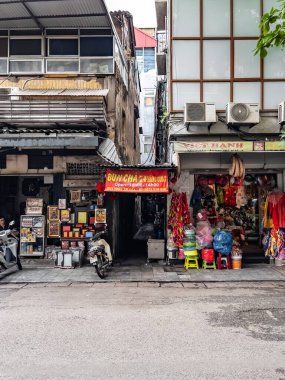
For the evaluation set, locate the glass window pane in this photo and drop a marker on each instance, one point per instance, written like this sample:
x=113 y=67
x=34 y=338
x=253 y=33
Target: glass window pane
x=3 y=66
x=186 y=18
x=268 y=4
x=246 y=18
x=96 y=46
x=216 y=10
x=62 y=66
x=26 y=67
x=96 y=66
x=63 y=46
x=216 y=60
x=248 y=92
x=219 y=93
x=186 y=60
x=274 y=64
x=247 y=65
x=25 y=47
x=273 y=94
x=185 y=93
x=3 y=47
x=149 y=59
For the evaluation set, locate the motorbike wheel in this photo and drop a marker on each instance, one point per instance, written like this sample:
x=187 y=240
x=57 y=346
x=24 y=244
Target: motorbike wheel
x=19 y=265
x=100 y=268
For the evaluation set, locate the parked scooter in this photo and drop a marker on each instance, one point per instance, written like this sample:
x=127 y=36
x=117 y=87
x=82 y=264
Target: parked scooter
x=99 y=254
x=9 y=250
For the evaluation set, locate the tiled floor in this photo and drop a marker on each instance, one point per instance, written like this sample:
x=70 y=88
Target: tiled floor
x=146 y=273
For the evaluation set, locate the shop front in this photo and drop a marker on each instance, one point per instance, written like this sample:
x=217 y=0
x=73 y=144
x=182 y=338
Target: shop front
x=230 y=201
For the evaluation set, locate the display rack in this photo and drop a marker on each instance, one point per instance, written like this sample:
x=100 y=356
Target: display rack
x=32 y=236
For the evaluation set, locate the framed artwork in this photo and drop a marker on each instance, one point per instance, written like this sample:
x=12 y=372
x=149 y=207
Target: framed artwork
x=54 y=229
x=75 y=196
x=65 y=215
x=35 y=202
x=53 y=213
x=100 y=215
x=62 y=204
x=82 y=217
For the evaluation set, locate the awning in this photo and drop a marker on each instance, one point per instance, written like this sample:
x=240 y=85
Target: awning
x=53 y=14
x=81 y=93
x=108 y=151
x=53 y=141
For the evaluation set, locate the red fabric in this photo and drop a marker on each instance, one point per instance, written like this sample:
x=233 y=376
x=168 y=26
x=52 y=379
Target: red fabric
x=277 y=211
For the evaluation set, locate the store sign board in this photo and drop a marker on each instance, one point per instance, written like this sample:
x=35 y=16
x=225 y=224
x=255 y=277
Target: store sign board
x=213 y=146
x=137 y=181
x=275 y=146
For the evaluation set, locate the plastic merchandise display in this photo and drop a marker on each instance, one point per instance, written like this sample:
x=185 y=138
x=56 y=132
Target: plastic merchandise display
x=223 y=242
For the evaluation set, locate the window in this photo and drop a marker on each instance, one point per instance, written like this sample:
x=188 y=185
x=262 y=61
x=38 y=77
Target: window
x=27 y=66
x=149 y=101
x=149 y=59
x=62 y=66
x=63 y=46
x=25 y=47
x=214 y=61
x=96 y=47
x=3 y=47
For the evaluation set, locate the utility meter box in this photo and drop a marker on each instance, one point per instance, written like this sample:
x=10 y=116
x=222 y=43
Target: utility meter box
x=156 y=249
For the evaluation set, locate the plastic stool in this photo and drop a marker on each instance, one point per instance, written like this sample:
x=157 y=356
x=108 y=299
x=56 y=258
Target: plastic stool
x=191 y=262
x=207 y=265
x=224 y=262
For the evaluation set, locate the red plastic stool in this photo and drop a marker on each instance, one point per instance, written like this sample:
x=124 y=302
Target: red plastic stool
x=226 y=259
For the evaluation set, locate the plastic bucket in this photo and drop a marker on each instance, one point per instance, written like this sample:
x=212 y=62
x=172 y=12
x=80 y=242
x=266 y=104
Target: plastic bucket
x=236 y=262
x=193 y=254
x=181 y=254
x=172 y=253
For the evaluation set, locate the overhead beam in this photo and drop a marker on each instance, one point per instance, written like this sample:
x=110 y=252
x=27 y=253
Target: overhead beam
x=55 y=16
x=23 y=2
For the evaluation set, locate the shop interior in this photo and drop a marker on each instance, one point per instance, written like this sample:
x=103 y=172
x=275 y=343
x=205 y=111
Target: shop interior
x=142 y=218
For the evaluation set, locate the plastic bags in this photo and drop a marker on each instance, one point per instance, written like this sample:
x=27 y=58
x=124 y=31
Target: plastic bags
x=223 y=242
x=204 y=234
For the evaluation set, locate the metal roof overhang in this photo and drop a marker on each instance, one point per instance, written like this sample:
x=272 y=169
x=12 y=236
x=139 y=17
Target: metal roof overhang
x=54 y=141
x=42 y=14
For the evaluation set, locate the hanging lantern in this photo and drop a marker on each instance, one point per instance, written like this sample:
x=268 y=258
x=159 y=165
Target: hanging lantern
x=173 y=180
x=100 y=187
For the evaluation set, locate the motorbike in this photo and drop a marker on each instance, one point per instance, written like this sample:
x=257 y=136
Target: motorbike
x=99 y=254
x=9 y=250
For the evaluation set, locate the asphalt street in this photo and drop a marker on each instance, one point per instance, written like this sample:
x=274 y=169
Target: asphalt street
x=142 y=331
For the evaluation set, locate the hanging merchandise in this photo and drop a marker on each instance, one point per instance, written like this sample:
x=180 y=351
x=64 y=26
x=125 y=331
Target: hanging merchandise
x=237 y=168
x=204 y=234
x=241 y=198
x=273 y=242
x=179 y=216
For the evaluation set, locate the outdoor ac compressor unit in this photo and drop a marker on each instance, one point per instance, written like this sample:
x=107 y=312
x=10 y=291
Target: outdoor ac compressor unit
x=200 y=113
x=281 y=113
x=242 y=113
x=6 y=93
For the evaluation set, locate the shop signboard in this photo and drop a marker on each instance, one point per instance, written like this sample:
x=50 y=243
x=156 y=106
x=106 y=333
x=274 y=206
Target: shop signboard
x=137 y=181
x=228 y=146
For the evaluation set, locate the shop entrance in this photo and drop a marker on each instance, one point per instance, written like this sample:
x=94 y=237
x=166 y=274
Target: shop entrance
x=141 y=217
x=16 y=189
x=239 y=209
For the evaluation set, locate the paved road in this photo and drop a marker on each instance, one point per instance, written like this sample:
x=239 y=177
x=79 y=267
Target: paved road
x=142 y=331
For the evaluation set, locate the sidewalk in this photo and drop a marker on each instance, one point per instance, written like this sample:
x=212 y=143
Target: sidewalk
x=146 y=273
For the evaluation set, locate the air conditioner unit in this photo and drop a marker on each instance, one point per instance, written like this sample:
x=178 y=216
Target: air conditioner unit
x=200 y=113
x=281 y=113
x=6 y=93
x=242 y=113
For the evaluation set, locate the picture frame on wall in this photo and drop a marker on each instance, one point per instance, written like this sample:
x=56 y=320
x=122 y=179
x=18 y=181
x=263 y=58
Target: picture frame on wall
x=54 y=229
x=65 y=215
x=100 y=215
x=53 y=213
x=62 y=204
x=75 y=196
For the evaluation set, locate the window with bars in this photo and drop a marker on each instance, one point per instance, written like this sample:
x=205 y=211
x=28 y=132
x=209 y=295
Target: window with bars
x=212 y=58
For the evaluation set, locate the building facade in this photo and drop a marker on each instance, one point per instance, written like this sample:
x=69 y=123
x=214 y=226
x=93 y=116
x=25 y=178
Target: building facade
x=145 y=52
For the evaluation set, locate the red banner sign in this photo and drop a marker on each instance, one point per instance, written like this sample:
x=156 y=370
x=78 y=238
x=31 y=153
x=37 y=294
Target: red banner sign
x=137 y=181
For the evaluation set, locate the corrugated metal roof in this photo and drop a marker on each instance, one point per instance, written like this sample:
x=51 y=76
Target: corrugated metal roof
x=103 y=92
x=108 y=151
x=143 y=40
x=53 y=13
